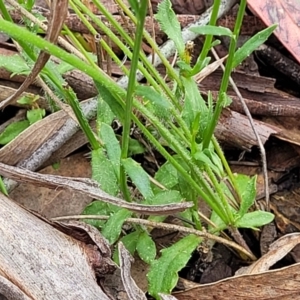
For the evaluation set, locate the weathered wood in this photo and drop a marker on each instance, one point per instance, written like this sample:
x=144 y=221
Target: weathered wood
x=42 y=262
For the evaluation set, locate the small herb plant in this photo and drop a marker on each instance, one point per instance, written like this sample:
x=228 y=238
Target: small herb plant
x=176 y=116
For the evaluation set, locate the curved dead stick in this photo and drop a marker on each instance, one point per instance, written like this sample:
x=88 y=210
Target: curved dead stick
x=88 y=187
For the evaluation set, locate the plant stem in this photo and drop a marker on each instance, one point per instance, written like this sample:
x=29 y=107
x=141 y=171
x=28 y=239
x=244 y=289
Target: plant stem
x=130 y=90
x=208 y=38
x=225 y=79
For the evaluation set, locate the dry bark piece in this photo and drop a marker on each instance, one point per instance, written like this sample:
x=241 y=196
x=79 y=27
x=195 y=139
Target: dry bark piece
x=275 y=59
x=41 y=261
x=280 y=284
x=234 y=129
x=277 y=251
x=32 y=138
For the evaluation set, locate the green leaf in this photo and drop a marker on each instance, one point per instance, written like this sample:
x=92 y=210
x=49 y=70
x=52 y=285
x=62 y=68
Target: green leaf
x=110 y=99
x=134 y=6
x=204 y=157
x=112 y=228
x=12 y=131
x=99 y=208
x=169 y=25
x=163 y=274
x=3 y=189
x=35 y=115
x=251 y=45
x=164 y=197
x=215 y=218
x=103 y=172
x=14 y=63
x=247 y=189
x=112 y=147
x=135 y=147
x=104 y=113
x=139 y=177
x=200 y=64
x=130 y=242
x=254 y=219
x=28 y=99
x=193 y=104
x=167 y=176
x=212 y=30
x=146 y=247
x=160 y=104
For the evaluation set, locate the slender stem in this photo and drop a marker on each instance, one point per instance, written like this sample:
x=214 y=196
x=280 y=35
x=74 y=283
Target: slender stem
x=130 y=90
x=208 y=38
x=153 y=45
x=225 y=79
x=82 y=120
x=227 y=168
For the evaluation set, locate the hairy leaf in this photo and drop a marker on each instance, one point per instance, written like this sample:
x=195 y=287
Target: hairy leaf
x=14 y=64
x=247 y=189
x=163 y=274
x=161 y=106
x=164 y=197
x=167 y=176
x=212 y=30
x=169 y=25
x=103 y=172
x=112 y=228
x=146 y=247
x=252 y=44
x=254 y=219
x=112 y=147
x=193 y=104
x=110 y=99
x=139 y=177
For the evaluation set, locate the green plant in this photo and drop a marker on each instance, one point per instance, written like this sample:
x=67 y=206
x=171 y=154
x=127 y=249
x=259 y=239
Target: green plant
x=176 y=117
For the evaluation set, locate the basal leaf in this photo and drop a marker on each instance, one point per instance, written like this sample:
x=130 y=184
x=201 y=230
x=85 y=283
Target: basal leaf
x=103 y=172
x=14 y=63
x=139 y=177
x=252 y=44
x=12 y=131
x=110 y=99
x=212 y=30
x=146 y=247
x=254 y=219
x=167 y=176
x=99 y=208
x=163 y=274
x=193 y=104
x=169 y=25
x=104 y=113
x=112 y=147
x=112 y=228
x=247 y=188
